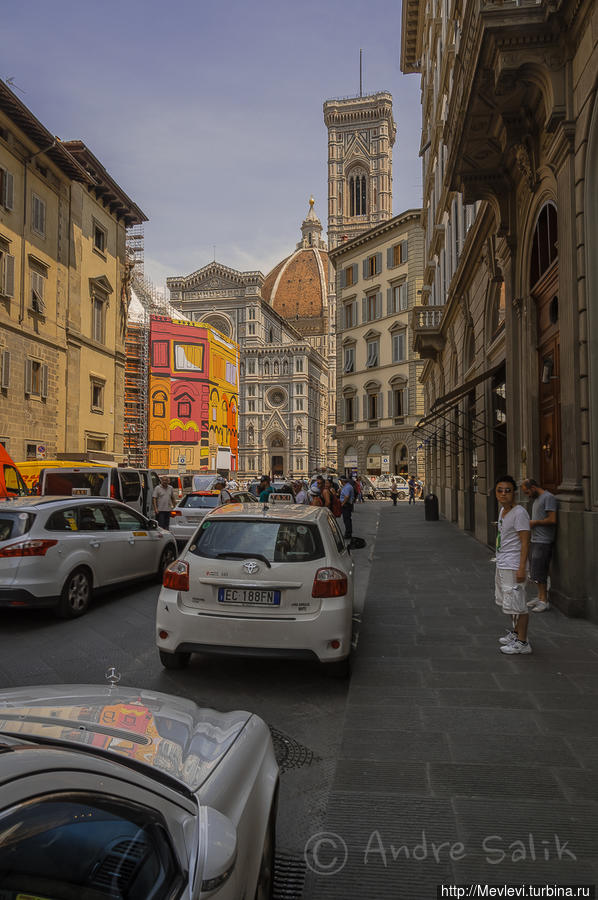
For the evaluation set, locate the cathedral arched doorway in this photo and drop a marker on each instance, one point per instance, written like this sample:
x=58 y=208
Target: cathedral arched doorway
x=277 y=456
x=544 y=286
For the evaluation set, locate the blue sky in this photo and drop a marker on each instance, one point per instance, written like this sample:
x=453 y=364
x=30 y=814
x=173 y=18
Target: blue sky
x=209 y=114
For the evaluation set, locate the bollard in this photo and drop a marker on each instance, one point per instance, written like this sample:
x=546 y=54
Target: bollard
x=431 y=508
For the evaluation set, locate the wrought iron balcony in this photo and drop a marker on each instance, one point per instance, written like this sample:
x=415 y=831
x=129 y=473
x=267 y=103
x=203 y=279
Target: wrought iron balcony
x=428 y=340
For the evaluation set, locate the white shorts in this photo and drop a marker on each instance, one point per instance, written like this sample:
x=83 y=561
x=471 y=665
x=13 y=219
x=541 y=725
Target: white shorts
x=509 y=593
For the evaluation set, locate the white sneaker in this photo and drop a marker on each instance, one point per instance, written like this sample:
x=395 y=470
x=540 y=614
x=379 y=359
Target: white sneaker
x=541 y=606
x=516 y=647
x=508 y=638
x=532 y=602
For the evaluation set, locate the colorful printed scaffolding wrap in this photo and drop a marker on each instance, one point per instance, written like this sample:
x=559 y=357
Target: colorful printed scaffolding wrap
x=193 y=397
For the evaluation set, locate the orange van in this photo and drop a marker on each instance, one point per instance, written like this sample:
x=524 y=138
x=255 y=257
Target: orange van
x=11 y=481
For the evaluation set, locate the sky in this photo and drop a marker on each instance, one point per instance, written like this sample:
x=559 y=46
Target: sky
x=209 y=113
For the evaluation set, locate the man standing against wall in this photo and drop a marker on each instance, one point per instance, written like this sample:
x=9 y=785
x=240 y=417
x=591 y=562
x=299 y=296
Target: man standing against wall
x=543 y=525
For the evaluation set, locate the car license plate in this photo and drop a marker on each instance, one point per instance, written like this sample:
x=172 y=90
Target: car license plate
x=248 y=596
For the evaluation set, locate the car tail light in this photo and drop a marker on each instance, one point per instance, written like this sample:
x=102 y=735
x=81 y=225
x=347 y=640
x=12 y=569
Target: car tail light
x=329 y=582
x=113 y=492
x=27 y=548
x=175 y=512
x=176 y=576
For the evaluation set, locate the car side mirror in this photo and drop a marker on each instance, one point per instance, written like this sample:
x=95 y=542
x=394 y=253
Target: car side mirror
x=217 y=849
x=152 y=524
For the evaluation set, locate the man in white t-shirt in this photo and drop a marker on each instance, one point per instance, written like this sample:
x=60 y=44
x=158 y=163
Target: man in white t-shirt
x=512 y=547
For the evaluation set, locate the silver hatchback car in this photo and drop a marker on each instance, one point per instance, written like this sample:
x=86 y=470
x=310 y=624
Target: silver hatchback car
x=54 y=551
x=114 y=792
x=192 y=509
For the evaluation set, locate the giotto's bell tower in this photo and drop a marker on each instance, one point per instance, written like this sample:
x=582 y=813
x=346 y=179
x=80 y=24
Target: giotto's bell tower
x=361 y=135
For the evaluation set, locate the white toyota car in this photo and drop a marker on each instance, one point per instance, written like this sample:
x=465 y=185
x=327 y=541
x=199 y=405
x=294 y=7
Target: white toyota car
x=265 y=581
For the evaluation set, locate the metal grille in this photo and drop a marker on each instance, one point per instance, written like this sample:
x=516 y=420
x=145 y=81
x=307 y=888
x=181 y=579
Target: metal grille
x=289 y=877
x=290 y=754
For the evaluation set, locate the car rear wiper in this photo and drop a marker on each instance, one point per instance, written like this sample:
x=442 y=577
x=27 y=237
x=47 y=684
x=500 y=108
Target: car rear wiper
x=232 y=555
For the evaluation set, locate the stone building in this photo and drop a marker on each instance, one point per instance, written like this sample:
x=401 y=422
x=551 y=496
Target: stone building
x=300 y=288
x=379 y=394
x=283 y=377
x=62 y=277
x=510 y=132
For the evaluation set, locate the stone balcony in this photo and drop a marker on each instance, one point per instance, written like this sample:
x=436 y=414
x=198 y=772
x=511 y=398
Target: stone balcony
x=428 y=339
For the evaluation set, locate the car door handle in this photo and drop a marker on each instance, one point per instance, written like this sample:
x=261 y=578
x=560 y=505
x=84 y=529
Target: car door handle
x=131 y=540
x=94 y=543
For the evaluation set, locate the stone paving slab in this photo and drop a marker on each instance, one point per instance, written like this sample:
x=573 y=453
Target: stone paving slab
x=448 y=742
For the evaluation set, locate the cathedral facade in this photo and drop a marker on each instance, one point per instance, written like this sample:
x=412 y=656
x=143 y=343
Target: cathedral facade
x=283 y=393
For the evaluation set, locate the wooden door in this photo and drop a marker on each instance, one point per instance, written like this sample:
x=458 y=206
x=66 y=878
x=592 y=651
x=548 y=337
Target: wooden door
x=549 y=412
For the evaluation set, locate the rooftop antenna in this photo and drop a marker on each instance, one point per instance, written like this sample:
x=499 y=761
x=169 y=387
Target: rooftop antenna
x=360 y=73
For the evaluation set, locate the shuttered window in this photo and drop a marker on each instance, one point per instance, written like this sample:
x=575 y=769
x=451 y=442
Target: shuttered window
x=36 y=378
x=38 y=290
x=7 y=274
x=5 y=370
x=7 y=195
x=398 y=347
x=38 y=215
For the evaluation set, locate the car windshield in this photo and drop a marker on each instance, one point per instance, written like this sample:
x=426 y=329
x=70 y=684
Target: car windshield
x=194 y=502
x=86 y=483
x=14 y=524
x=276 y=541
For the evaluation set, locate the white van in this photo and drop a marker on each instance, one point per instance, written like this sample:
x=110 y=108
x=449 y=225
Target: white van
x=135 y=487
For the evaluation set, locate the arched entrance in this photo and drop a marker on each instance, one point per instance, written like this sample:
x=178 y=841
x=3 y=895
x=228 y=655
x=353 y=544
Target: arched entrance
x=277 y=456
x=400 y=462
x=544 y=286
x=374 y=460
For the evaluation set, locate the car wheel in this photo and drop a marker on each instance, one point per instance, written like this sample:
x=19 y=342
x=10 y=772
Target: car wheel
x=379 y=495
x=76 y=595
x=168 y=557
x=340 y=669
x=402 y=495
x=265 y=882
x=174 y=660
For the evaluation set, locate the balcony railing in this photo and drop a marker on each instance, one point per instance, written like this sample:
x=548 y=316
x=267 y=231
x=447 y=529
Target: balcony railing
x=426 y=322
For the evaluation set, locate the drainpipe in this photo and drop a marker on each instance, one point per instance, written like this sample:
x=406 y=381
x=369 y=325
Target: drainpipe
x=26 y=162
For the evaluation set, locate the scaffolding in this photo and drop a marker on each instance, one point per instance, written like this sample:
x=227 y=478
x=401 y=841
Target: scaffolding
x=145 y=300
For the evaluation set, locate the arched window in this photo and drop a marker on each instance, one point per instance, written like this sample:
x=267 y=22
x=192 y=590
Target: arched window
x=271 y=336
x=545 y=243
x=159 y=399
x=497 y=311
x=358 y=193
x=468 y=349
x=250 y=434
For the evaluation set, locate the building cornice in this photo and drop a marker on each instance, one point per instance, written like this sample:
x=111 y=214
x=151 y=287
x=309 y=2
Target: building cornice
x=409 y=216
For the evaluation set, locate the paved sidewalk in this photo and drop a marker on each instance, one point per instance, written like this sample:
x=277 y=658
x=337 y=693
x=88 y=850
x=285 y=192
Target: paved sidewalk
x=458 y=764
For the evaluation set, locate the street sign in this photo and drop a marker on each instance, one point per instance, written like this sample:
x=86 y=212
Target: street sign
x=40 y=451
x=385 y=467
x=182 y=460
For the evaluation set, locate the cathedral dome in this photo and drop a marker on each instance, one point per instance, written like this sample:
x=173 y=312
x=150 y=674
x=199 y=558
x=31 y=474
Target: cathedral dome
x=297 y=287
